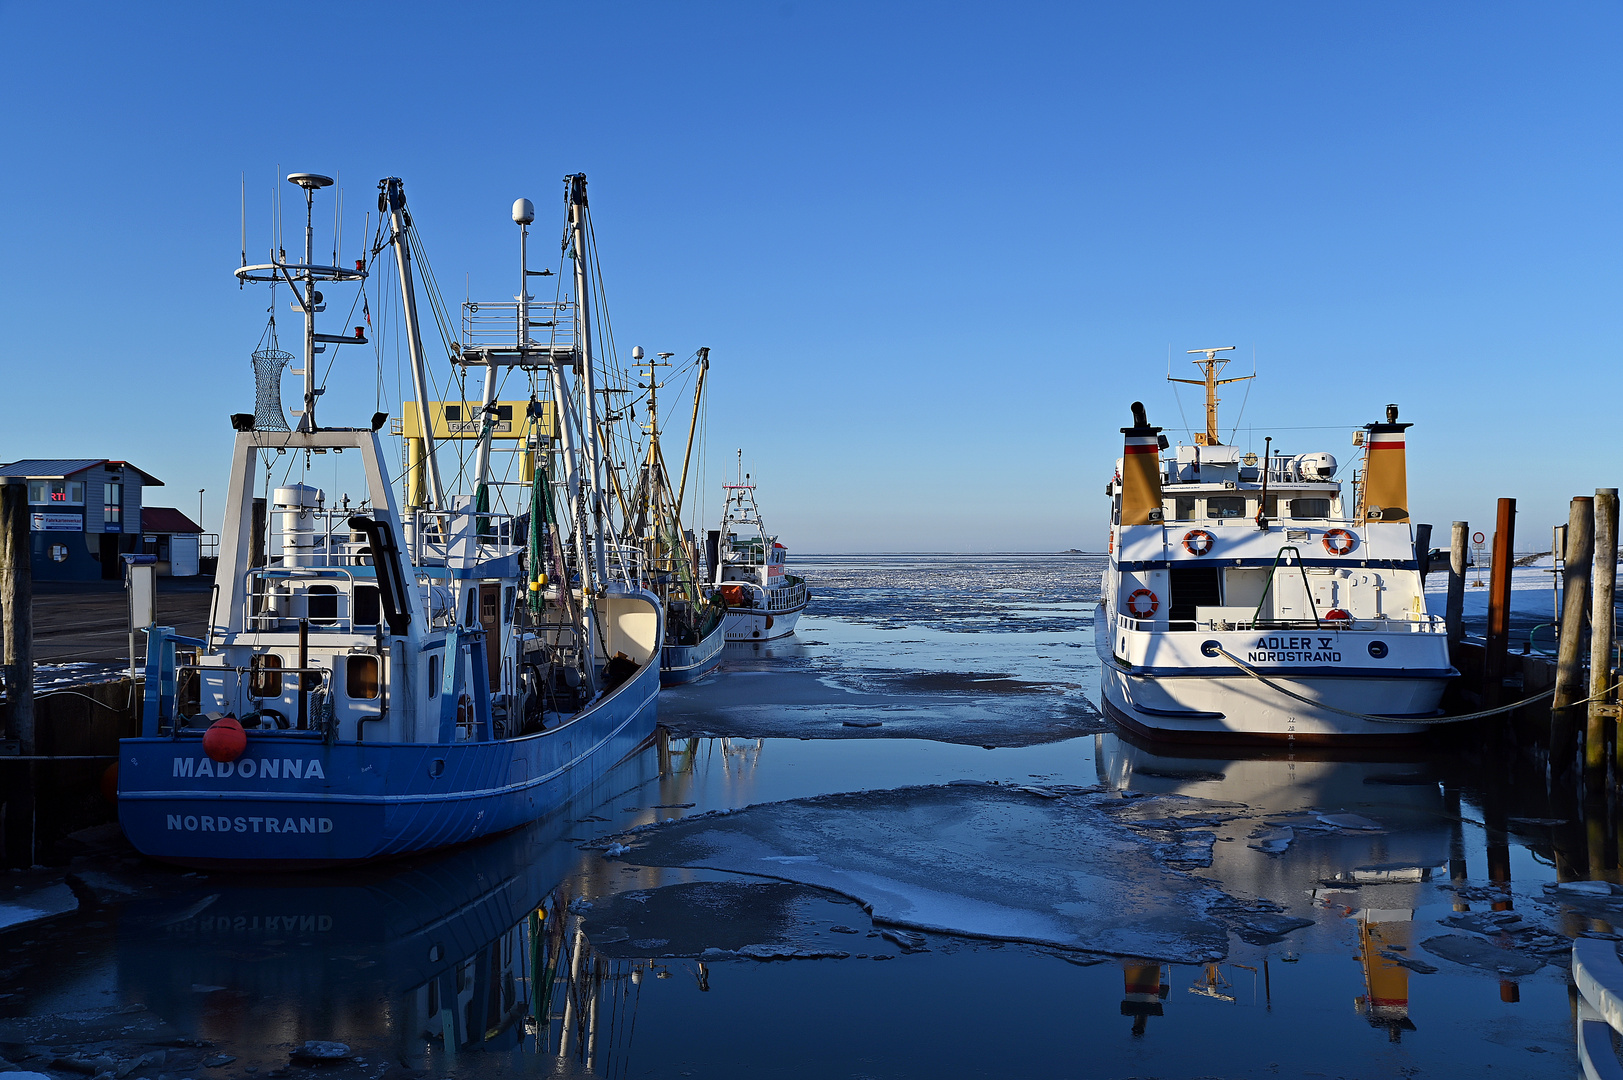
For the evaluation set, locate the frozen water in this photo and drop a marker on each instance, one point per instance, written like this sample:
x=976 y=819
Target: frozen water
x=39 y=904
x=978 y=861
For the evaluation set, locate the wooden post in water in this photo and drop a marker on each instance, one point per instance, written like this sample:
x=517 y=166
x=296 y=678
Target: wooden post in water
x=1601 y=632
x=1569 y=658
x=1493 y=659
x=17 y=621
x=1454 y=616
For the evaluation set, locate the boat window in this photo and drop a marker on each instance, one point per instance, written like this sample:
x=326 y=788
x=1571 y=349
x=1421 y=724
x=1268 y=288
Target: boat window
x=265 y=676
x=368 y=606
x=473 y=608
x=322 y=603
x=433 y=676
x=361 y=676
x=1225 y=506
x=1185 y=508
x=507 y=598
x=1310 y=508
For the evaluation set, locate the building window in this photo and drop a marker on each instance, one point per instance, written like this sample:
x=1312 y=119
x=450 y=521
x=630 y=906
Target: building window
x=59 y=553
x=112 y=503
x=361 y=676
x=56 y=492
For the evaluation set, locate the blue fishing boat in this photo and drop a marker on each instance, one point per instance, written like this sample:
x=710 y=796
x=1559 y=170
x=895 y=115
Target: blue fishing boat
x=380 y=679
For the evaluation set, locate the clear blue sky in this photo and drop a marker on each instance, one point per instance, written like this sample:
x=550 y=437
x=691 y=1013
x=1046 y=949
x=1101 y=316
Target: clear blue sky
x=936 y=248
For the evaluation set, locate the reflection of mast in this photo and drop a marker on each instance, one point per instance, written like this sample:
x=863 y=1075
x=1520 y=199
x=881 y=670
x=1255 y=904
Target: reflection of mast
x=1210 y=368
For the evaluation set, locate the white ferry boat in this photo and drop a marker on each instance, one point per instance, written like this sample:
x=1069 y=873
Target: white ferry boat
x=1248 y=598
x=764 y=600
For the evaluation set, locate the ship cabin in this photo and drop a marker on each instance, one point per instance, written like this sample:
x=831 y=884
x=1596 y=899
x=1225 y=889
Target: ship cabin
x=1230 y=541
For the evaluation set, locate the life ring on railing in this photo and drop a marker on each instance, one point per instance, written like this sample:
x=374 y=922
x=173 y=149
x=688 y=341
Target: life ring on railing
x=1340 y=617
x=1198 y=541
x=1134 y=607
x=1339 y=541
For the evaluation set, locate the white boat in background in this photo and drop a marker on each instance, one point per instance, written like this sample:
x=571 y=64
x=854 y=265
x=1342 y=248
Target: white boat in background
x=748 y=569
x=1244 y=599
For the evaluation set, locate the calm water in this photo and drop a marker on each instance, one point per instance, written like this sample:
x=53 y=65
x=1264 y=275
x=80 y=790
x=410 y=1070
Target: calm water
x=1059 y=901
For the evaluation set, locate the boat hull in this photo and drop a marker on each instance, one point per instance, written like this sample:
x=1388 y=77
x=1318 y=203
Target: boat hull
x=306 y=804
x=680 y=664
x=748 y=624
x=1213 y=704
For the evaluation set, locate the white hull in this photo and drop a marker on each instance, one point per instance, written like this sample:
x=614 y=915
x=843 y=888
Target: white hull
x=1189 y=696
x=744 y=624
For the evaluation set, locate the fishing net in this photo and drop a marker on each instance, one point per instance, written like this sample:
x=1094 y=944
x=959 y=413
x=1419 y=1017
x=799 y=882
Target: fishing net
x=269 y=360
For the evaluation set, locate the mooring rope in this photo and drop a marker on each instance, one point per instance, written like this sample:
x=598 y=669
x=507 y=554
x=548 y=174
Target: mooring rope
x=1255 y=674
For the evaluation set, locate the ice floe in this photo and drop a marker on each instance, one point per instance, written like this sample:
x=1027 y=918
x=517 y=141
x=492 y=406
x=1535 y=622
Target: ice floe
x=1082 y=871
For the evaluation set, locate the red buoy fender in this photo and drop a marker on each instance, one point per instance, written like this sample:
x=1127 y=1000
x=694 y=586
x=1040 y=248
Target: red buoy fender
x=1142 y=603
x=1339 y=541
x=225 y=740
x=1198 y=541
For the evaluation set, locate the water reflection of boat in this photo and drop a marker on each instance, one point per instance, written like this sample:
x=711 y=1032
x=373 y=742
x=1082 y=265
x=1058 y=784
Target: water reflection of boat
x=1246 y=599
x=1315 y=805
x=475 y=950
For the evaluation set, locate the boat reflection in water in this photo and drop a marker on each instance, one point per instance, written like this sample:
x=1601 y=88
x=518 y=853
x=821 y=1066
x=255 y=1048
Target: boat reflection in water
x=1343 y=832
x=474 y=951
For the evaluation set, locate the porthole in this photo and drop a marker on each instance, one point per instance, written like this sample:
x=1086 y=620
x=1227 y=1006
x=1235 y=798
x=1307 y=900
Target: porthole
x=1378 y=649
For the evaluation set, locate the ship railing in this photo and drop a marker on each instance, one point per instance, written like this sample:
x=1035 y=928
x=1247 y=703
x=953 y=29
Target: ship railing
x=256 y=689
x=496 y=323
x=326 y=598
x=429 y=536
x=1404 y=624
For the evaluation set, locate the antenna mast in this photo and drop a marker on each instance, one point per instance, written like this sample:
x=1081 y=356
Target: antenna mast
x=1210 y=367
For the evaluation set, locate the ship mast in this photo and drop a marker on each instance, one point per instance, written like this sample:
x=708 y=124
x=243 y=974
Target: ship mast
x=583 y=335
x=1210 y=368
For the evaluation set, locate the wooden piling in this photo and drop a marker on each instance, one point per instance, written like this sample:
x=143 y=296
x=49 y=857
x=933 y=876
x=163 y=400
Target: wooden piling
x=1602 y=712
x=1454 y=614
x=1569 y=658
x=17 y=622
x=1493 y=659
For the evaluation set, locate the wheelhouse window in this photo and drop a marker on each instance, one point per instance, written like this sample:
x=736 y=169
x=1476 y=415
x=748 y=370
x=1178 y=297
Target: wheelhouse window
x=1310 y=508
x=1225 y=506
x=1184 y=508
x=265 y=676
x=322 y=603
x=368 y=606
x=361 y=676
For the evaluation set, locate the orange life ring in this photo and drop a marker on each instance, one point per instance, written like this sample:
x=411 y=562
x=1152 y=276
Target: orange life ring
x=1198 y=541
x=1137 y=612
x=1339 y=541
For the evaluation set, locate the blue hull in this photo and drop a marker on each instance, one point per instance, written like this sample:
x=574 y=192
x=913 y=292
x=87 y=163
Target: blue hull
x=680 y=664
x=306 y=804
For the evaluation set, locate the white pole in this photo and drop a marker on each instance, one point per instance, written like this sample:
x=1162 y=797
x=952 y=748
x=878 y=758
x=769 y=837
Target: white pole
x=583 y=320
x=396 y=194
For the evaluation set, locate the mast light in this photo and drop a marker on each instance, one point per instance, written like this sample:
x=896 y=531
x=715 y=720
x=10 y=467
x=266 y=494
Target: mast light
x=309 y=181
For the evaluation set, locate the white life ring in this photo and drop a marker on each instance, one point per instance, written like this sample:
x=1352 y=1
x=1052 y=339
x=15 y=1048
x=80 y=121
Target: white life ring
x=1198 y=541
x=1135 y=605
x=1339 y=541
